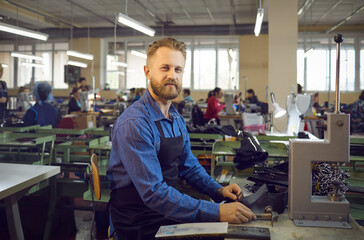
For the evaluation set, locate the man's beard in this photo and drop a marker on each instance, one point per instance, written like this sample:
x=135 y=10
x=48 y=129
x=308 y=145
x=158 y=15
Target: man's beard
x=166 y=92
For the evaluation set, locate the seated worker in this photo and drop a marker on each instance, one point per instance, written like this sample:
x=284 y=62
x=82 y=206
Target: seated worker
x=82 y=84
x=151 y=149
x=357 y=115
x=74 y=105
x=186 y=95
x=139 y=93
x=41 y=113
x=23 y=99
x=214 y=106
x=251 y=98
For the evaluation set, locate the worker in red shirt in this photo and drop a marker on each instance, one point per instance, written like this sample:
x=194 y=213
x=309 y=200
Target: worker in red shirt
x=214 y=106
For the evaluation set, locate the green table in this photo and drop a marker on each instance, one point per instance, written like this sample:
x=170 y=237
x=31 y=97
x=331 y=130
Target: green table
x=20 y=129
x=27 y=147
x=201 y=143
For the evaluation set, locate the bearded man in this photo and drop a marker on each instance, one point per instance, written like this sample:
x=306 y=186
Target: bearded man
x=151 y=149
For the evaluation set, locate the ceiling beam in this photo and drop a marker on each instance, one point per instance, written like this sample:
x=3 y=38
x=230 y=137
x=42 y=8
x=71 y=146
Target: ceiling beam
x=240 y=29
x=31 y=15
x=152 y=14
x=306 y=5
x=92 y=12
x=347 y=18
x=329 y=11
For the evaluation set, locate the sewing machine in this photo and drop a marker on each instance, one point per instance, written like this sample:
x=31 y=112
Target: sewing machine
x=297 y=105
x=306 y=209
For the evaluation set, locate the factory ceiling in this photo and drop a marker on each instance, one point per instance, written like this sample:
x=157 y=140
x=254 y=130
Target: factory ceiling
x=172 y=17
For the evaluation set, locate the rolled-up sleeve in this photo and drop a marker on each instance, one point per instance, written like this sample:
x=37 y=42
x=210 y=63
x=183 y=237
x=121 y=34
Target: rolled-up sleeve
x=134 y=140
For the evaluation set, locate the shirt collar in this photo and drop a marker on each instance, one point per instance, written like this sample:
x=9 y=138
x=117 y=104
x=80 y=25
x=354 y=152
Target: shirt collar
x=155 y=113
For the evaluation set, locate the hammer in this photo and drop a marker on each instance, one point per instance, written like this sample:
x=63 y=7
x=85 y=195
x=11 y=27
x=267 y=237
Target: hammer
x=268 y=214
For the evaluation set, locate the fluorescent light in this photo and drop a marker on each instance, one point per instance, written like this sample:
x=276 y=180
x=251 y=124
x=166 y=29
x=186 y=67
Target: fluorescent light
x=26 y=56
x=29 y=64
x=80 y=55
x=308 y=52
x=123 y=19
x=259 y=21
x=77 y=64
x=139 y=54
x=23 y=31
x=4 y=65
x=121 y=64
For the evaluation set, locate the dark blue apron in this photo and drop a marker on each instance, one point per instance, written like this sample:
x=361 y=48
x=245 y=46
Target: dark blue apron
x=133 y=220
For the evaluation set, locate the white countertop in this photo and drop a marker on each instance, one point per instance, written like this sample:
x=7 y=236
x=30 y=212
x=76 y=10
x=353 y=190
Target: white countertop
x=16 y=177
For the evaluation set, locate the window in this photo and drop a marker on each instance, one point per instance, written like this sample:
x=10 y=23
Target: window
x=135 y=70
x=204 y=68
x=208 y=63
x=186 y=81
x=52 y=71
x=317 y=71
x=5 y=58
x=227 y=68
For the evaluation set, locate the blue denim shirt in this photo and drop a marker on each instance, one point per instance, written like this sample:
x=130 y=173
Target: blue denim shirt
x=133 y=159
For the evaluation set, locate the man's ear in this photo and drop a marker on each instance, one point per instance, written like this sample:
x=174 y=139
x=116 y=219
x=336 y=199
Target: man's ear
x=147 y=71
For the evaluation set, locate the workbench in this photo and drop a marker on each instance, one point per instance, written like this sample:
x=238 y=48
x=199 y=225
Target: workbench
x=284 y=228
x=15 y=180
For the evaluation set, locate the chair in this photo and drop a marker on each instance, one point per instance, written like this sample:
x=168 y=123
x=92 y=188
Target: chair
x=94 y=181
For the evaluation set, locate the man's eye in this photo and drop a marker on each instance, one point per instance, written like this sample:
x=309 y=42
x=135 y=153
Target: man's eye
x=165 y=68
x=179 y=70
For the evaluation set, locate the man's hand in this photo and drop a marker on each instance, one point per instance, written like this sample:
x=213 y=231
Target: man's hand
x=235 y=213
x=232 y=192
x=3 y=100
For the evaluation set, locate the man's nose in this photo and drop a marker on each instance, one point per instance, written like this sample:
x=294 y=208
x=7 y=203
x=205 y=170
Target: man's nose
x=171 y=73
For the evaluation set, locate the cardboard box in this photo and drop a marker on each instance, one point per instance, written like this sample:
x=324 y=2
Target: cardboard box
x=84 y=121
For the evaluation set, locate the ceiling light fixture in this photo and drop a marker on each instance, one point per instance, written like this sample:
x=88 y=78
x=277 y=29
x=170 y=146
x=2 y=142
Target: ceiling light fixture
x=139 y=54
x=259 y=19
x=26 y=56
x=4 y=65
x=80 y=55
x=23 y=31
x=77 y=64
x=123 y=19
x=29 y=64
x=121 y=64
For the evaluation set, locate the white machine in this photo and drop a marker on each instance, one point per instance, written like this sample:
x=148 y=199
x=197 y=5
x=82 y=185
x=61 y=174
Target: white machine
x=86 y=99
x=229 y=101
x=297 y=105
x=306 y=209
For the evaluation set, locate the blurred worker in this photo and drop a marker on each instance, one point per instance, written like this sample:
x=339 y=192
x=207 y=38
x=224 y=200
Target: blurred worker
x=131 y=95
x=139 y=93
x=151 y=149
x=251 y=98
x=41 y=113
x=186 y=95
x=357 y=115
x=3 y=96
x=214 y=106
x=82 y=84
x=23 y=99
x=74 y=104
